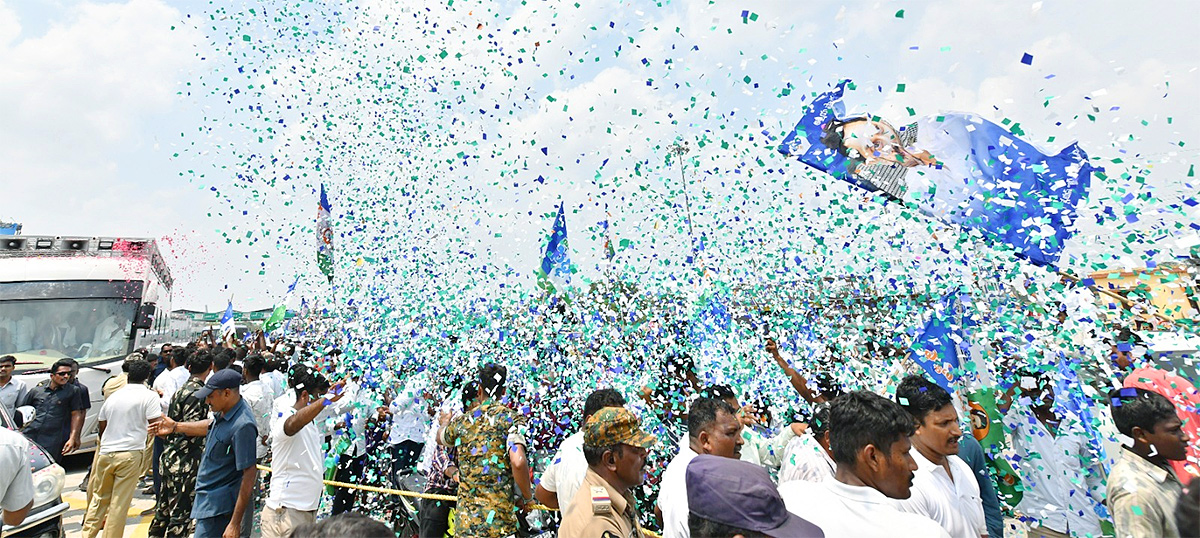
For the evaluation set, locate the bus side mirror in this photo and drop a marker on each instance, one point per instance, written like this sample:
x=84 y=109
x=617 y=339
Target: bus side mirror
x=145 y=317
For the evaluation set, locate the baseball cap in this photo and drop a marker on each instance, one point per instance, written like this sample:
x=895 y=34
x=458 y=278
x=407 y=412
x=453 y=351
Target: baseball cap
x=740 y=494
x=616 y=425
x=222 y=379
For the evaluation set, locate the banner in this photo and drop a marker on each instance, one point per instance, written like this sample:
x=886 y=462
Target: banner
x=956 y=167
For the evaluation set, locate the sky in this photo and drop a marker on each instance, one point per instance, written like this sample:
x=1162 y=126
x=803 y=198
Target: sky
x=447 y=133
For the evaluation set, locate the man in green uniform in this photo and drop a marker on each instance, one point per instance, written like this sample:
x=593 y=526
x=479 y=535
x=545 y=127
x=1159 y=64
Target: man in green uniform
x=492 y=467
x=614 y=445
x=181 y=456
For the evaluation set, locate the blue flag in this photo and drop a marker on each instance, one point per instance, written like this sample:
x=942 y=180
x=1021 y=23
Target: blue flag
x=227 y=320
x=555 y=271
x=938 y=347
x=324 y=236
x=956 y=167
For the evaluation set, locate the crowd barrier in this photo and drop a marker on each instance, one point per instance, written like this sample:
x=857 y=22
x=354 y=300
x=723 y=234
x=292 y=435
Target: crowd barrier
x=430 y=496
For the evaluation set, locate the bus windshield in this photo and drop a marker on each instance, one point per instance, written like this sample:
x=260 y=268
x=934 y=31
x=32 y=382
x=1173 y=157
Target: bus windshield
x=39 y=332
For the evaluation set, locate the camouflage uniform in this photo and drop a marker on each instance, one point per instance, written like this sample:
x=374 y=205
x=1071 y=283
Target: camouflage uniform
x=486 y=490
x=180 y=463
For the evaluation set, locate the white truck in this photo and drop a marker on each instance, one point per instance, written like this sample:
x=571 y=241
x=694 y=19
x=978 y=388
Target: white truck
x=93 y=299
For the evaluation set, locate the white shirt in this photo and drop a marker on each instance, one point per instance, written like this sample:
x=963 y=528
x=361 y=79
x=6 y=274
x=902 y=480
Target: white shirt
x=954 y=504
x=127 y=413
x=297 y=461
x=167 y=383
x=804 y=459
x=16 y=478
x=765 y=452
x=180 y=375
x=22 y=333
x=672 y=496
x=359 y=405
x=11 y=393
x=108 y=337
x=409 y=419
x=259 y=399
x=276 y=382
x=1055 y=491
x=845 y=511
x=565 y=473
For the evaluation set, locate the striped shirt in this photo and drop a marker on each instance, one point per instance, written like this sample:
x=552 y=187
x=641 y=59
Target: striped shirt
x=1143 y=496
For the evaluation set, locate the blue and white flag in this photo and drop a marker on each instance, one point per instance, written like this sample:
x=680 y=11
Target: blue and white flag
x=938 y=347
x=956 y=167
x=227 y=321
x=555 y=271
x=324 y=236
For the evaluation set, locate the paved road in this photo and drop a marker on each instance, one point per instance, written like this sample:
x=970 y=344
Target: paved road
x=136 y=524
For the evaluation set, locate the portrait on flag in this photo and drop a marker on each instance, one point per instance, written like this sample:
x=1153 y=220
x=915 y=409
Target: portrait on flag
x=956 y=167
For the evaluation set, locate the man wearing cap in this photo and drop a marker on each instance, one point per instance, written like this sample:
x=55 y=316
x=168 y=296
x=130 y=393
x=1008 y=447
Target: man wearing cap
x=614 y=445
x=225 y=482
x=728 y=498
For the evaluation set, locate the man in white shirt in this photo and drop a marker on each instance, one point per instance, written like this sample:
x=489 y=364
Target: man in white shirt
x=109 y=337
x=298 y=461
x=24 y=329
x=258 y=397
x=1061 y=482
x=125 y=419
x=807 y=457
x=409 y=421
x=273 y=375
x=757 y=448
x=357 y=408
x=944 y=489
x=11 y=390
x=566 y=471
x=168 y=382
x=16 y=478
x=869 y=437
x=713 y=428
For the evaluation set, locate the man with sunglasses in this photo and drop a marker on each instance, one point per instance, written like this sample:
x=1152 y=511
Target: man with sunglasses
x=55 y=402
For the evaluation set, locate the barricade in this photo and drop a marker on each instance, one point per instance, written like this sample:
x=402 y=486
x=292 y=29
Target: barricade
x=430 y=496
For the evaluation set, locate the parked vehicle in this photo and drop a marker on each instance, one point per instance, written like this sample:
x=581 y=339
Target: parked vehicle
x=45 y=518
x=91 y=299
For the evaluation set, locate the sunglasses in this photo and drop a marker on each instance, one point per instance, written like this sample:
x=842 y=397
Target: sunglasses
x=66 y=373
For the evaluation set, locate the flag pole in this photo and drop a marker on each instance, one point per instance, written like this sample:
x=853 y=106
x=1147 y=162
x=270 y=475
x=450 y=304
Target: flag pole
x=679 y=150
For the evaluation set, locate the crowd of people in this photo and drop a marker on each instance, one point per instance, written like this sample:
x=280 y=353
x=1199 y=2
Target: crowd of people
x=201 y=420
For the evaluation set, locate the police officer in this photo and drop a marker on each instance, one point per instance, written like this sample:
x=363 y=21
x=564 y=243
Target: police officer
x=614 y=445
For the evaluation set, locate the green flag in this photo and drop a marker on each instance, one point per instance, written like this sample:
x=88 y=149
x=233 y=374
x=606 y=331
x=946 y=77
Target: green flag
x=988 y=429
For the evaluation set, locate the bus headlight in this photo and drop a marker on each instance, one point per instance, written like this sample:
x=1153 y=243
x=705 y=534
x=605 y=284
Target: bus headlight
x=48 y=484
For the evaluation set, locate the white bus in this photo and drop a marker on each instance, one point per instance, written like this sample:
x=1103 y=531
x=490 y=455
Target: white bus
x=93 y=299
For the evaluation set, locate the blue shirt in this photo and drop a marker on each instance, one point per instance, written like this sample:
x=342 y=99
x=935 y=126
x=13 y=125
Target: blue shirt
x=228 y=450
x=971 y=452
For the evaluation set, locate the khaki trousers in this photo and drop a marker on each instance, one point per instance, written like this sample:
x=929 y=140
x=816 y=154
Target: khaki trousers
x=115 y=477
x=1043 y=532
x=280 y=522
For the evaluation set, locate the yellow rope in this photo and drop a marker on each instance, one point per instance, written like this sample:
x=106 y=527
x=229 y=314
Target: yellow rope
x=430 y=496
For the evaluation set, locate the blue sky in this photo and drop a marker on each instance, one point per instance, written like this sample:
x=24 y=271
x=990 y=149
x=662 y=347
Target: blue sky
x=132 y=118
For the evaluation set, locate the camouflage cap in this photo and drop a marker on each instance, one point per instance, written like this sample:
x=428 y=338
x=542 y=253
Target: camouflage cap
x=616 y=425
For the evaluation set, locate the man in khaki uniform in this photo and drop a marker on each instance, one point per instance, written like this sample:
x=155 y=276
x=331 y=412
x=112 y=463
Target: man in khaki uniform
x=614 y=445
